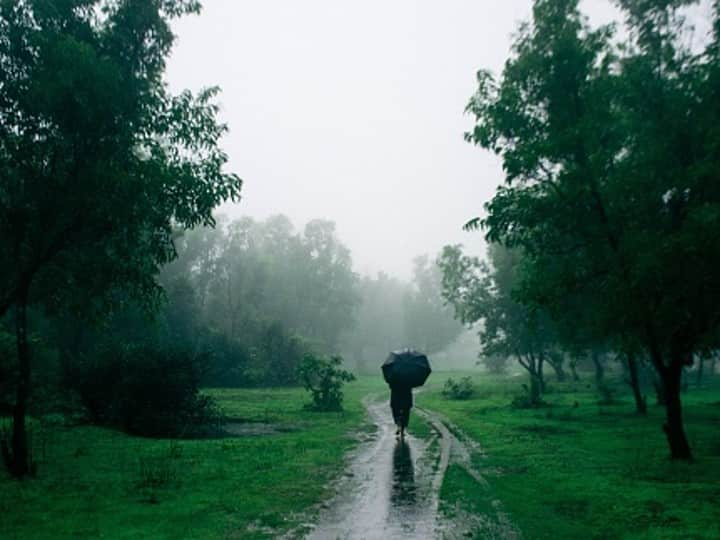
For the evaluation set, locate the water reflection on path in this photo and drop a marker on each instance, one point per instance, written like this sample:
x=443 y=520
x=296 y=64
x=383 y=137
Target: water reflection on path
x=403 y=491
x=387 y=492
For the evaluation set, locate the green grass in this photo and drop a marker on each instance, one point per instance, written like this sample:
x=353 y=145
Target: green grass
x=94 y=482
x=573 y=469
x=419 y=427
x=576 y=469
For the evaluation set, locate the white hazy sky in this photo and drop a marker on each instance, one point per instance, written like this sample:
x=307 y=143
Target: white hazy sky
x=353 y=111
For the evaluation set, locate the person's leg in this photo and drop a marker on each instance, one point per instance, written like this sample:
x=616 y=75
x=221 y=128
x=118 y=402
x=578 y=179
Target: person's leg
x=397 y=418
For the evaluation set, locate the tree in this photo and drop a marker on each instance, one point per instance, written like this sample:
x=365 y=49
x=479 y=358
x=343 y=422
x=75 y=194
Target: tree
x=611 y=162
x=329 y=289
x=484 y=293
x=265 y=295
x=99 y=162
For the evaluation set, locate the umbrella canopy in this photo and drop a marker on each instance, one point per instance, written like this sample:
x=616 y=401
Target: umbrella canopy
x=408 y=367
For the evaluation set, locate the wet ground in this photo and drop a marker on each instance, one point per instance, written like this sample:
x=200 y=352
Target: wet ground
x=389 y=489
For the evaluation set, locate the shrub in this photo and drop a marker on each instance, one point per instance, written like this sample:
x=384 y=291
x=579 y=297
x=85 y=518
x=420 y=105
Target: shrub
x=278 y=354
x=147 y=390
x=266 y=355
x=462 y=389
x=323 y=378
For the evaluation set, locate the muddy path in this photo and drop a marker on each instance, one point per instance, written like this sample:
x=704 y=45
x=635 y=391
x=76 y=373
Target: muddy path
x=390 y=488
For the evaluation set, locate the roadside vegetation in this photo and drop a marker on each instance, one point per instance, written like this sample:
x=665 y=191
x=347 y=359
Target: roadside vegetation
x=267 y=475
x=153 y=353
x=582 y=467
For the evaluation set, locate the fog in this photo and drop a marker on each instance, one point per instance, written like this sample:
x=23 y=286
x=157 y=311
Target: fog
x=353 y=112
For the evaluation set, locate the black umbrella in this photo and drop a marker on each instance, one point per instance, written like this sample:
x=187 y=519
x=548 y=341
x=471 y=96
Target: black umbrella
x=408 y=367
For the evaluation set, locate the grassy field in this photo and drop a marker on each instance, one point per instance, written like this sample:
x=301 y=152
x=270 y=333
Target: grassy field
x=579 y=469
x=94 y=482
x=572 y=469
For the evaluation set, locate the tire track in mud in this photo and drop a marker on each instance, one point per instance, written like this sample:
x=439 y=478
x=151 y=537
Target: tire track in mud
x=391 y=488
x=494 y=523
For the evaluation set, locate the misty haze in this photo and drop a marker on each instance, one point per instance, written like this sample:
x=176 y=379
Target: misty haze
x=362 y=270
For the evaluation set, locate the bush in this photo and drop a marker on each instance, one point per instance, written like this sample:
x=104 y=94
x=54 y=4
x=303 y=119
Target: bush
x=228 y=361
x=278 y=354
x=462 y=389
x=324 y=378
x=268 y=355
x=147 y=390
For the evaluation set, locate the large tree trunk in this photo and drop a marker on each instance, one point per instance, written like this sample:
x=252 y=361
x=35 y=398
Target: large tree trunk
x=17 y=458
x=673 y=427
x=531 y=366
x=671 y=377
x=640 y=401
x=540 y=373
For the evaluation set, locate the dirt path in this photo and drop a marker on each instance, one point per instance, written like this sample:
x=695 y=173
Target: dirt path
x=390 y=489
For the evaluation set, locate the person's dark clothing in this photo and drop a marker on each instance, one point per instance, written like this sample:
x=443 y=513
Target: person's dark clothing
x=401 y=402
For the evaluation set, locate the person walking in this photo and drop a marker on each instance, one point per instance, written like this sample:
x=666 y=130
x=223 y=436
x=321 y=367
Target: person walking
x=401 y=402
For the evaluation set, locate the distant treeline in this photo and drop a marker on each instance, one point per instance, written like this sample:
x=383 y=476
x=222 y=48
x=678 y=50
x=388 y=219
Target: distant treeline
x=242 y=304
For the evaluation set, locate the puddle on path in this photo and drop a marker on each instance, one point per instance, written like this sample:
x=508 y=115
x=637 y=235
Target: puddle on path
x=388 y=490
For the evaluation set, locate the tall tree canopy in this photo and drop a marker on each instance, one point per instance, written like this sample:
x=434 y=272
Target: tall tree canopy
x=612 y=163
x=98 y=161
x=247 y=274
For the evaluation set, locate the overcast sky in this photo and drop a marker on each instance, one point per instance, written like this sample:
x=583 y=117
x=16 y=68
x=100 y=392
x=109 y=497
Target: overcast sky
x=353 y=111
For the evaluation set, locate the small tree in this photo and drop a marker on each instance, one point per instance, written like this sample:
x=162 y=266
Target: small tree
x=323 y=378
x=484 y=293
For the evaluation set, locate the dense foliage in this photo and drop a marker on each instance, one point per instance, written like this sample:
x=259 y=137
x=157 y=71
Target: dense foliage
x=146 y=390
x=99 y=162
x=610 y=148
x=258 y=295
x=483 y=293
